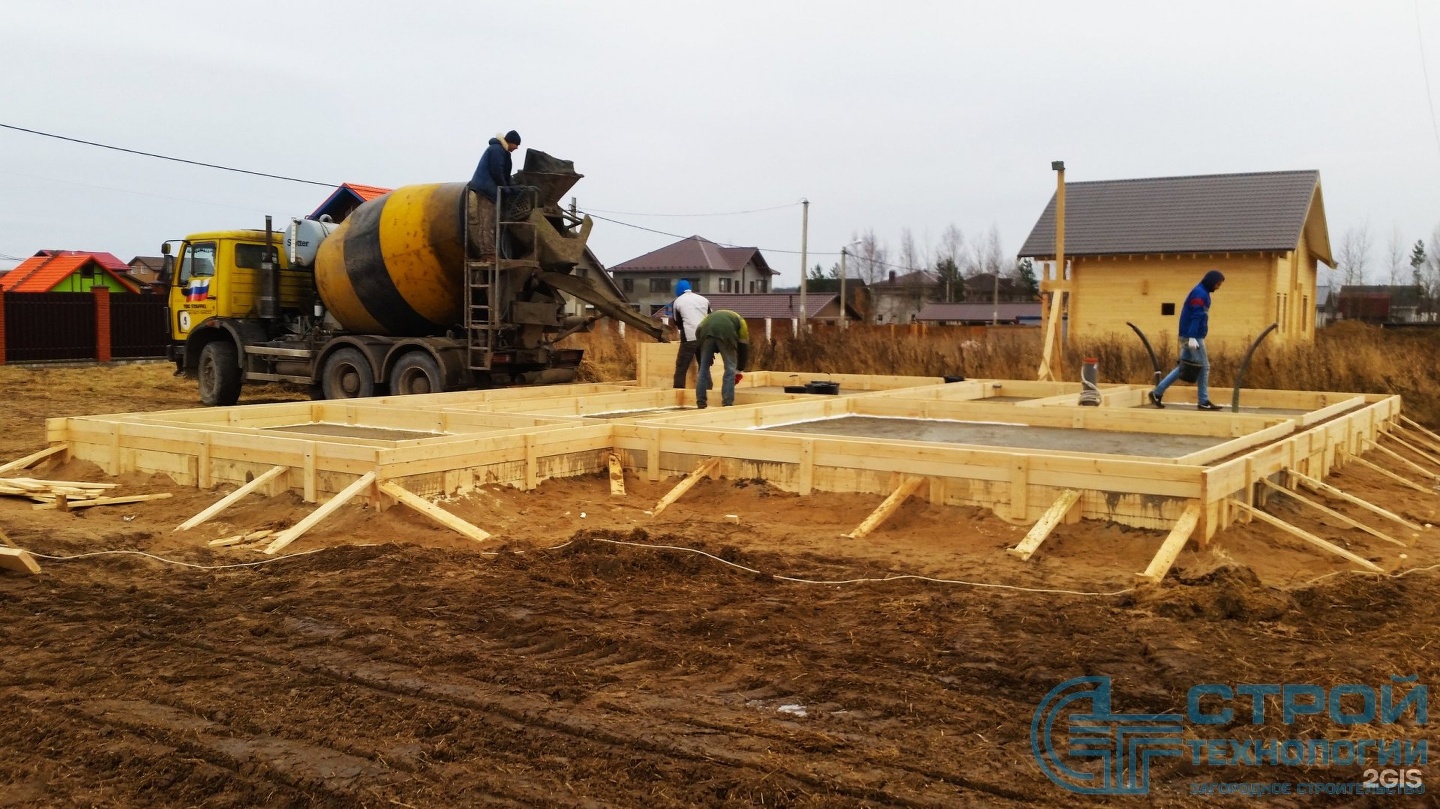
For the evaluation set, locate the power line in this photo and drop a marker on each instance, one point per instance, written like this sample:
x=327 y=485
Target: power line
x=167 y=157
x=698 y=215
x=1425 y=69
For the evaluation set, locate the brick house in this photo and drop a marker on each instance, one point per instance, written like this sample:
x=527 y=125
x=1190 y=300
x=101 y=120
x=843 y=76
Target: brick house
x=648 y=281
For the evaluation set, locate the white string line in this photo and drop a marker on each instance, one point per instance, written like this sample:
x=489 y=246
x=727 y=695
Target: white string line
x=176 y=561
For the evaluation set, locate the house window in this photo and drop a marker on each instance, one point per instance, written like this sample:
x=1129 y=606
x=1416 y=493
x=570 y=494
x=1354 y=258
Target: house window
x=1167 y=310
x=724 y=284
x=88 y=271
x=627 y=284
x=659 y=285
x=694 y=284
x=757 y=285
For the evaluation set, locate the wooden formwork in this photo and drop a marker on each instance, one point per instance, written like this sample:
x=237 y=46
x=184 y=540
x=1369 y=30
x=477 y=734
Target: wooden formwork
x=451 y=442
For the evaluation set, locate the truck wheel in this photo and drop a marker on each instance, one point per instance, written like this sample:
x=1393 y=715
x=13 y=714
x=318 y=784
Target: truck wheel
x=416 y=372
x=219 y=373
x=347 y=375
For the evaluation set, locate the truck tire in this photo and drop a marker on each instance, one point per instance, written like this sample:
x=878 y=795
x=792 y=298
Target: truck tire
x=416 y=373
x=219 y=373
x=347 y=375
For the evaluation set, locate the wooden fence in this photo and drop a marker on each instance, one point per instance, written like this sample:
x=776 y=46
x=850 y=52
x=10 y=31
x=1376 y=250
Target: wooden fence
x=99 y=326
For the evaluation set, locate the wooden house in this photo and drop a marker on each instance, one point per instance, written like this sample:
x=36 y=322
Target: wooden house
x=1135 y=248
x=69 y=271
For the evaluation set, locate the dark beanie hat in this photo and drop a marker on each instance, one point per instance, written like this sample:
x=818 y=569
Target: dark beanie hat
x=512 y=137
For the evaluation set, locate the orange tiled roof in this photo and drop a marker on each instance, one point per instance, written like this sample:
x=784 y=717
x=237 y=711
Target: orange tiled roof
x=367 y=192
x=41 y=272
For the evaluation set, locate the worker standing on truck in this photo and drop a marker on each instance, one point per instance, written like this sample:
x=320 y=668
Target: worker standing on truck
x=493 y=173
x=724 y=332
x=689 y=308
x=1194 y=326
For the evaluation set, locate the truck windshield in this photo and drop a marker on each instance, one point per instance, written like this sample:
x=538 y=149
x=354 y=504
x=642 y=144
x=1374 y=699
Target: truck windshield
x=198 y=262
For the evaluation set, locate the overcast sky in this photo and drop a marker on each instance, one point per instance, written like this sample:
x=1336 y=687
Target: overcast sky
x=884 y=115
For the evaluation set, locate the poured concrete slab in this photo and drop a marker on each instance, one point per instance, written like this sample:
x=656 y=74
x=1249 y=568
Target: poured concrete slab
x=1018 y=436
x=354 y=431
x=634 y=414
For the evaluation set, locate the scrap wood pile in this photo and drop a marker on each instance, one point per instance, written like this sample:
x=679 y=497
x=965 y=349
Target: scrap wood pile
x=68 y=494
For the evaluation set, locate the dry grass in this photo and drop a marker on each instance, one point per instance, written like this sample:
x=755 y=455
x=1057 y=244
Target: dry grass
x=1345 y=357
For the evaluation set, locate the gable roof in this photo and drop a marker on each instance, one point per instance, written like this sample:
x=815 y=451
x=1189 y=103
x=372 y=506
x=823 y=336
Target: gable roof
x=696 y=253
x=1196 y=214
x=151 y=263
x=347 y=198
x=782 y=305
x=910 y=280
x=42 y=271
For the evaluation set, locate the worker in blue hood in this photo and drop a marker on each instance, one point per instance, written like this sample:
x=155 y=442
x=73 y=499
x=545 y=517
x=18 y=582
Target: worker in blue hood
x=1194 y=326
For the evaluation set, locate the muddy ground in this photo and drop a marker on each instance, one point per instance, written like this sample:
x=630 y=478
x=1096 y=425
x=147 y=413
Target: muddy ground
x=391 y=663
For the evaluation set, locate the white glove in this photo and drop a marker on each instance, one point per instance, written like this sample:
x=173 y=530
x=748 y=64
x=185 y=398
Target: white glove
x=1194 y=344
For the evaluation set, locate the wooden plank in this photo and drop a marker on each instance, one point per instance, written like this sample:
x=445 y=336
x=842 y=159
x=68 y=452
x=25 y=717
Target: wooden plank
x=101 y=501
x=434 y=512
x=1409 y=464
x=1173 y=544
x=1307 y=537
x=1325 y=488
x=329 y=507
x=1415 y=437
x=22 y=463
x=1041 y=530
x=240 y=539
x=705 y=468
x=1420 y=427
x=1326 y=510
x=232 y=498
x=19 y=561
x=1401 y=479
x=617 y=477
x=1407 y=445
x=891 y=504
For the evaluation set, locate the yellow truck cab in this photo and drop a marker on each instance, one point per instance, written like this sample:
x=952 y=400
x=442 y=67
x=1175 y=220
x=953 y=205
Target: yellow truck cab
x=218 y=276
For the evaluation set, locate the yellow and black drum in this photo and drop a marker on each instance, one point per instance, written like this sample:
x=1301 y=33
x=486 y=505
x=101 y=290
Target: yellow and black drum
x=396 y=265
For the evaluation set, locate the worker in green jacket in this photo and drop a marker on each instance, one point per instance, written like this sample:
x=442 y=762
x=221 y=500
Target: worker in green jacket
x=725 y=332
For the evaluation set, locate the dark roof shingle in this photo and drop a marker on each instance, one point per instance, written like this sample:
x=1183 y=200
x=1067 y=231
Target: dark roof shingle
x=1197 y=214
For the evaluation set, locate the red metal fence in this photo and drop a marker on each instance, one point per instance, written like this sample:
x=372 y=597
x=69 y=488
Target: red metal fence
x=53 y=326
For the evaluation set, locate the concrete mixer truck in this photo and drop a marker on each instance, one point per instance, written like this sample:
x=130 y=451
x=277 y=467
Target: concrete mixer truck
x=422 y=290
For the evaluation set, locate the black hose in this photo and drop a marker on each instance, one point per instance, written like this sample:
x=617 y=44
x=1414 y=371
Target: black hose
x=1245 y=365
x=1154 y=361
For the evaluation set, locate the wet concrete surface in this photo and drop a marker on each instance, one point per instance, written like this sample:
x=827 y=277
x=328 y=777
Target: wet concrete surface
x=354 y=431
x=1017 y=436
x=634 y=414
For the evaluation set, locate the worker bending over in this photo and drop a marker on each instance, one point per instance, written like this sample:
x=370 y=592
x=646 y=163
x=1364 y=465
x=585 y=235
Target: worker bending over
x=726 y=333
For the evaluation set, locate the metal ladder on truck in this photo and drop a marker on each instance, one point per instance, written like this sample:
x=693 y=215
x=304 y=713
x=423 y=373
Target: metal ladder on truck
x=482 y=285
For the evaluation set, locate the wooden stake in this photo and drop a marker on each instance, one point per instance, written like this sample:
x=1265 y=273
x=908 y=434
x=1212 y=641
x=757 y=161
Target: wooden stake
x=1325 y=488
x=685 y=485
x=617 y=477
x=240 y=539
x=19 y=561
x=1418 y=437
x=1332 y=513
x=1051 y=518
x=232 y=498
x=1173 y=544
x=1307 y=537
x=1387 y=473
x=99 y=501
x=891 y=505
x=329 y=507
x=22 y=463
x=434 y=512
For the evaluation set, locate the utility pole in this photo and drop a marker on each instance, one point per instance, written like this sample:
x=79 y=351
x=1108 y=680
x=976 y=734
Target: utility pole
x=804 y=257
x=843 y=250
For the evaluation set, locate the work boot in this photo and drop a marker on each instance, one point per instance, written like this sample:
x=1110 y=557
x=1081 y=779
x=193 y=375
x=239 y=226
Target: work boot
x=1155 y=400
x=1208 y=406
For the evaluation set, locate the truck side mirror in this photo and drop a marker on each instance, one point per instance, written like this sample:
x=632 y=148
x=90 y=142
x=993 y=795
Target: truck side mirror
x=167 y=267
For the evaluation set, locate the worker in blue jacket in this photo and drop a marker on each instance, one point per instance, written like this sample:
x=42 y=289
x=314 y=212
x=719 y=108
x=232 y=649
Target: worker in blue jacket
x=494 y=169
x=1194 y=325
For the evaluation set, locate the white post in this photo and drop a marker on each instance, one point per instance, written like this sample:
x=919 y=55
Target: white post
x=842 y=285
x=622 y=330
x=804 y=258
x=767 y=329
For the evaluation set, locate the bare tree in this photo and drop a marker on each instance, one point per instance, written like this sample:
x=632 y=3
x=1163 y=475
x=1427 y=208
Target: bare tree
x=1397 y=255
x=909 y=256
x=990 y=255
x=1354 y=255
x=870 y=257
x=949 y=261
